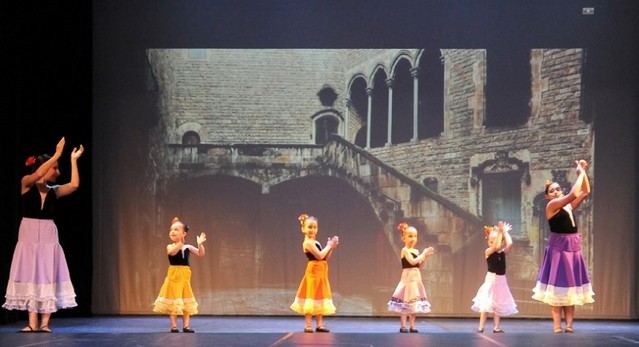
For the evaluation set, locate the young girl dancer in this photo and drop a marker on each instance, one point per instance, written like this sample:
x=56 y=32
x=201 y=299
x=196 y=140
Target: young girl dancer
x=494 y=295
x=314 y=296
x=409 y=297
x=176 y=295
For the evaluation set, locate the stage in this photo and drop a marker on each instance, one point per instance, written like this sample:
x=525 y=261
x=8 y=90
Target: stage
x=287 y=331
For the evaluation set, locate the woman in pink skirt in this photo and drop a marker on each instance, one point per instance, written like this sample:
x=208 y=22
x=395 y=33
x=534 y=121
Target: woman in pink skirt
x=39 y=280
x=494 y=294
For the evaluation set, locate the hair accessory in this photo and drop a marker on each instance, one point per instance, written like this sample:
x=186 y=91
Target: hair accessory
x=176 y=219
x=548 y=182
x=302 y=218
x=402 y=226
x=30 y=161
x=487 y=230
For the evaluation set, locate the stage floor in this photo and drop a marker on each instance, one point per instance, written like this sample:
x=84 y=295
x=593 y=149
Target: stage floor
x=287 y=331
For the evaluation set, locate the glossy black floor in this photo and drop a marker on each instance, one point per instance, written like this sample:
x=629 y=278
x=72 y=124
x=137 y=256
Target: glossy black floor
x=287 y=331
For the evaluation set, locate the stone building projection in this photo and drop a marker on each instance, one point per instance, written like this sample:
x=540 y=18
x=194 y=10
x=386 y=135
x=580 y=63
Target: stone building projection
x=446 y=139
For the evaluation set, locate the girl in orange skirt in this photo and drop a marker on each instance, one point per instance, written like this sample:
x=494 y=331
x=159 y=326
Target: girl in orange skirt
x=314 y=296
x=176 y=295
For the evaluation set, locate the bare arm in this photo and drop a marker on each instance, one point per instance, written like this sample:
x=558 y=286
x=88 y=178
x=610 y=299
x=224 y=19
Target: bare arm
x=585 y=187
x=200 y=250
x=324 y=254
x=418 y=259
x=74 y=183
x=575 y=193
x=31 y=179
x=173 y=248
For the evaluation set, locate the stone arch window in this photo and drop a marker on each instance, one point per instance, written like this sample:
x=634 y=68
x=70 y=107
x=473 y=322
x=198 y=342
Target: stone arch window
x=325 y=124
x=430 y=73
x=191 y=138
x=402 y=114
x=379 y=110
x=358 y=111
x=500 y=181
x=508 y=86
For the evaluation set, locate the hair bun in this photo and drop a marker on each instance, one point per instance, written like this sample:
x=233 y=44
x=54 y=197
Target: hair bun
x=548 y=183
x=302 y=218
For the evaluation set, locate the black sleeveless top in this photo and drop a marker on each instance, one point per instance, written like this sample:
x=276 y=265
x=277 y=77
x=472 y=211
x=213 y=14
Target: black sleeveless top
x=310 y=255
x=32 y=207
x=406 y=264
x=497 y=263
x=561 y=223
x=180 y=258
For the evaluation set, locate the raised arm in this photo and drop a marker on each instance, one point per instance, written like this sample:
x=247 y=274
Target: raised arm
x=506 y=227
x=31 y=179
x=575 y=193
x=200 y=250
x=74 y=183
x=585 y=186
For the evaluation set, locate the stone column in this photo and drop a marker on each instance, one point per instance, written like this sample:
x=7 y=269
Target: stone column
x=389 y=130
x=414 y=73
x=369 y=93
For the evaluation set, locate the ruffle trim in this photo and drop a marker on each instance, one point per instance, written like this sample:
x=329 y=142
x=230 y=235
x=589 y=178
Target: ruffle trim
x=560 y=296
x=175 y=307
x=420 y=305
x=42 y=298
x=313 y=307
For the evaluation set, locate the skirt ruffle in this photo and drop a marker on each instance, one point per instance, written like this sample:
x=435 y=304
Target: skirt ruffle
x=563 y=278
x=314 y=295
x=176 y=295
x=39 y=279
x=494 y=296
x=409 y=295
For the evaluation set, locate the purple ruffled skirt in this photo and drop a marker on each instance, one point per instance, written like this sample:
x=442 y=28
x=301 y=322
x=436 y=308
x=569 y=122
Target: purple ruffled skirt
x=563 y=278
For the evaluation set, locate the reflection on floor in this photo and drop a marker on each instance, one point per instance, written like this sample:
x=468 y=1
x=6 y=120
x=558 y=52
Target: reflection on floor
x=287 y=331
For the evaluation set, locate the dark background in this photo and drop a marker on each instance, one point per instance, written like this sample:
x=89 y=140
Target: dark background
x=57 y=56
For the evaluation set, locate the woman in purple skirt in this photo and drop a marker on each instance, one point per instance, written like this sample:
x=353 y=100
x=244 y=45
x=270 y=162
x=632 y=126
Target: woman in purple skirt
x=39 y=280
x=563 y=280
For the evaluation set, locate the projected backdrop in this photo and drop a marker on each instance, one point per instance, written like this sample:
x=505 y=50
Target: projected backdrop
x=239 y=142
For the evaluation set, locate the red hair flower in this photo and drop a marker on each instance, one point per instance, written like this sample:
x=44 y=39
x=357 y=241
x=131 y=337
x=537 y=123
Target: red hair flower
x=30 y=161
x=487 y=230
x=402 y=227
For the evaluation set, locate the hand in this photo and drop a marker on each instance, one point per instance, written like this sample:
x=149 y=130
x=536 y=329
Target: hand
x=428 y=251
x=77 y=152
x=504 y=227
x=59 y=147
x=333 y=241
x=201 y=238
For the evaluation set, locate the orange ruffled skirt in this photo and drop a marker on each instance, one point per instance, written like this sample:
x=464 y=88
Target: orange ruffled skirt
x=176 y=295
x=314 y=293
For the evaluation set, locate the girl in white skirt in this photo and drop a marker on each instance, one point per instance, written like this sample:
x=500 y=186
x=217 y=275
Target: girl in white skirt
x=494 y=295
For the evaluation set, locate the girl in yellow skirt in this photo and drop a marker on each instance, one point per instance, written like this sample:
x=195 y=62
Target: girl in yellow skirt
x=314 y=296
x=176 y=295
